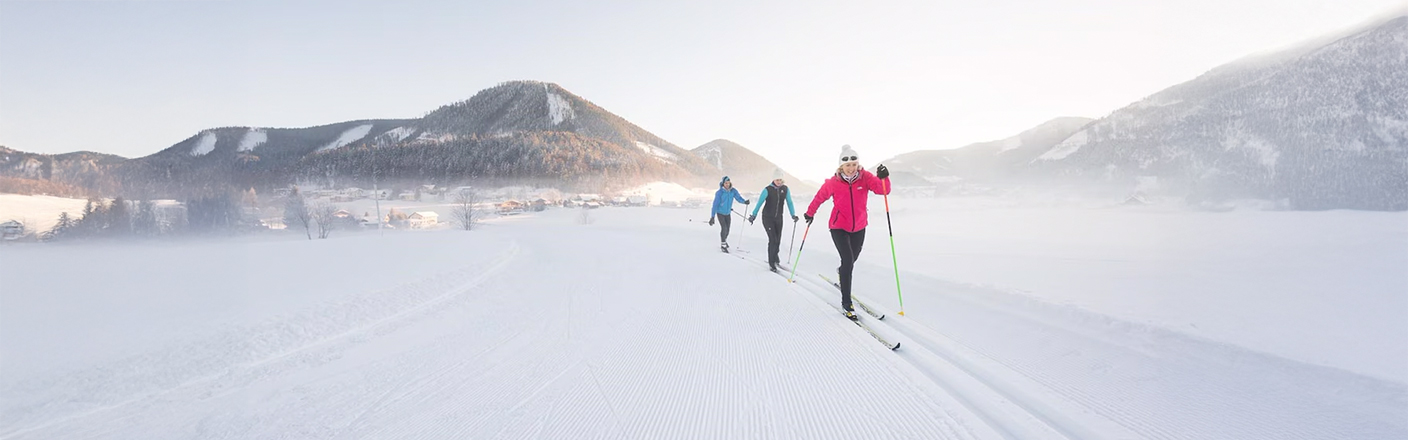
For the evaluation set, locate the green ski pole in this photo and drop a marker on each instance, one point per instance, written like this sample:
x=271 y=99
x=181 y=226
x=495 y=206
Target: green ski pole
x=889 y=227
x=799 y=253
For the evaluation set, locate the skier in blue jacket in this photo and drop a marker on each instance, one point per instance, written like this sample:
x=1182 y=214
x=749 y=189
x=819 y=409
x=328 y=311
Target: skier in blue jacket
x=723 y=207
x=772 y=198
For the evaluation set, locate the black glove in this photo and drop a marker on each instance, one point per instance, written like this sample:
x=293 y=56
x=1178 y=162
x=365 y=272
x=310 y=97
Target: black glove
x=881 y=171
x=711 y=220
x=751 y=217
x=794 y=219
x=809 y=218
x=745 y=202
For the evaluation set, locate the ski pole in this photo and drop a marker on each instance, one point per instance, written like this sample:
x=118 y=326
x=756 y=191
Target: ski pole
x=799 y=251
x=792 y=242
x=740 y=232
x=891 y=229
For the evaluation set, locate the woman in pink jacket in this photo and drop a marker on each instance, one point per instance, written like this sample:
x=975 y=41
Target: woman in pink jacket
x=848 y=190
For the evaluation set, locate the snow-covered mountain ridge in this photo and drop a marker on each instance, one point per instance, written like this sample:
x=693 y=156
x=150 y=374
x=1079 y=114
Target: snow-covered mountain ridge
x=1325 y=129
x=1323 y=126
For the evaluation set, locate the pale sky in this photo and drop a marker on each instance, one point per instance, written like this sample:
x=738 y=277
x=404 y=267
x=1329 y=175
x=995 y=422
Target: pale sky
x=790 y=80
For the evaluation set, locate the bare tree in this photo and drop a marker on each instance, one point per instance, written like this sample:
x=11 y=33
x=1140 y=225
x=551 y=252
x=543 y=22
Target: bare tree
x=323 y=214
x=464 y=214
x=296 y=213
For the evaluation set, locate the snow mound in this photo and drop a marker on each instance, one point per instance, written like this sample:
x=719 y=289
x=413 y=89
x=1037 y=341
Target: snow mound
x=348 y=137
x=398 y=134
x=656 y=151
x=205 y=145
x=558 y=108
x=253 y=138
x=1066 y=147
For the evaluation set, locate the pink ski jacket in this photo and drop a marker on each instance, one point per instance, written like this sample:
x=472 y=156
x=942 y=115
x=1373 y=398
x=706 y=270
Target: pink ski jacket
x=848 y=199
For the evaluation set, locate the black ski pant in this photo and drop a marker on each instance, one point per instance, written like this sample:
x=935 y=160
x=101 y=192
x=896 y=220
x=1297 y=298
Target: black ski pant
x=724 y=220
x=848 y=244
x=774 y=228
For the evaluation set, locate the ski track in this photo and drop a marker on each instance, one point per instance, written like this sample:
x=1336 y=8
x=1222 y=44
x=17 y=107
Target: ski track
x=687 y=376
x=1152 y=381
x=675 y=369
x=138 y=390
x=973 y=389
x=1072 y=399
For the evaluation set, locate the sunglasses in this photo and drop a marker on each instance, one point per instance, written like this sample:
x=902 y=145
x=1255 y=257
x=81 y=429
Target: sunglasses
x=850 y=158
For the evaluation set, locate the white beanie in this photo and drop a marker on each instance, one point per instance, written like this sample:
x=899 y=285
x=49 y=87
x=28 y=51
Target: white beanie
x=848 y=154
x=776 y=173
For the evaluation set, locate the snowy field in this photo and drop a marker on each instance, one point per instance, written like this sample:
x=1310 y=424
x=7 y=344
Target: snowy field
x=1328 y=288
x=38 y=213
x=1021 y=322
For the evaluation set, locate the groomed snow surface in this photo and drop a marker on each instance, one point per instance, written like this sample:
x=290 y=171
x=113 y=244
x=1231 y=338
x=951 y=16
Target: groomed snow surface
x=633 y=325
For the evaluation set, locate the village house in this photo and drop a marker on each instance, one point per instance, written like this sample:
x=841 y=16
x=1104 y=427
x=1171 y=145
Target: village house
x=423 y=219
x=430 y=190
x=510 y=207
x=348 y=194
x=11 y=230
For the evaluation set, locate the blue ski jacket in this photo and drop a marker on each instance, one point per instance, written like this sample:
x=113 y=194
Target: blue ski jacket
x=723 y=198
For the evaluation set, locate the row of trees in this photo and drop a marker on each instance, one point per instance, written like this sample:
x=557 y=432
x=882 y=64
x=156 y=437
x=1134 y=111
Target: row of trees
x=232 y=212
x=122 y=218
x=119 y=218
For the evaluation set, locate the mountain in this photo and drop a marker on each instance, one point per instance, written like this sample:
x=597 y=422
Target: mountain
x=1315 y=128
x=531 y=106
x=216 y=160
x=749 y=171
x=983 y=161
x=60 y=174
x=515 y=132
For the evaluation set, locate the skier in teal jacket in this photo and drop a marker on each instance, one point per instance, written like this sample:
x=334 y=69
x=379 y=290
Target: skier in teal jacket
x=772 y=198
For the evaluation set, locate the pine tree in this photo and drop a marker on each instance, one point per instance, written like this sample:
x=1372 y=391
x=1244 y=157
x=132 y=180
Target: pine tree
x=84 y=225
x=94 y=221
x=144 y=222
x=119 y=221
x=60 y=229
